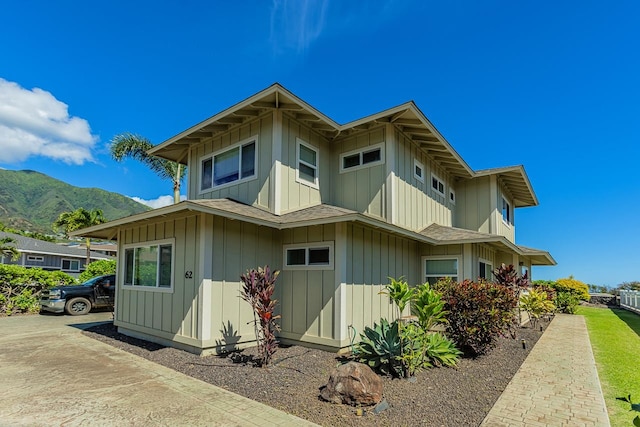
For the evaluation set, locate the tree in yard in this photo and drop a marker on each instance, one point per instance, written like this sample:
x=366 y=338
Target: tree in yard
x=136 y=146
x=75 y=220
x=8 y=249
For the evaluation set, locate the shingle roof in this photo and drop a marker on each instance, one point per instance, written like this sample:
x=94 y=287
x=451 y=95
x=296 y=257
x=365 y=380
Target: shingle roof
x=453 y=234
x=28 y=244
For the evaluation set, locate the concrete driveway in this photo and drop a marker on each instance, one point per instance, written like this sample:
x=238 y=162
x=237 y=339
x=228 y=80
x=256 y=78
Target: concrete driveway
x=52 y=375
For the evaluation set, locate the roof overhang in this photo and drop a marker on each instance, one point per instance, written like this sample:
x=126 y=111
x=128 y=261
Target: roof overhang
x=515 y=179
x=538 y=256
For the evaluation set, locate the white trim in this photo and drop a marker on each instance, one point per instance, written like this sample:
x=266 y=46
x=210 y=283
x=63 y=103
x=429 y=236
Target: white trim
x=418 y=165
x=307 y=246
x=211 y=156
x=458 y=259
x=390 y=182
x=509 y=221
x=440 y=181
x=275 y=189
x=62 y=260
x=485 y=262
x=361 y=152
x=145 y=244
x=315 y=184
x=340 y=318
x=35 y=258
x=452 y=192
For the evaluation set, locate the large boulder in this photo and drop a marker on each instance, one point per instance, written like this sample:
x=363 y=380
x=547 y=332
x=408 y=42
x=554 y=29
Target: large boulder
x=353 y=384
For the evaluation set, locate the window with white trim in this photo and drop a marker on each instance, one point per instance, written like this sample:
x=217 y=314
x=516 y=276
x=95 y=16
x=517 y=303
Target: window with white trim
x=307 y=161
x=35 y=258
x=309 y=256
x=506 y=212
x=234 y=164
x=437 y=184
x=418 y=170
x=452 y=196
x=524 y=270
x=70 y=265
x=436 y=268
x=365 y=157
x=486 y=270
x=150 y=265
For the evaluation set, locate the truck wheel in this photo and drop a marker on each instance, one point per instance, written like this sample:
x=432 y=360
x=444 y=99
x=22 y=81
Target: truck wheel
x=78 y=306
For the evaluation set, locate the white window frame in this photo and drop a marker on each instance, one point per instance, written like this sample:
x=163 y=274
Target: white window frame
x=509 y=220
x=458 y=258
x=70 y=264
x=158 y=243
x=307 y=246
x=486 y=262
x=35 y=258
x=212 y=156
x=440 y=181
x=316 y=183
x=361 y=152
x=418 y=165
x=452 y=196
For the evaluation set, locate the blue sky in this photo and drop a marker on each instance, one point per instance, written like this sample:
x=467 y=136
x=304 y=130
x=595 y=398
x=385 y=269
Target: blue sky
x=551 y=85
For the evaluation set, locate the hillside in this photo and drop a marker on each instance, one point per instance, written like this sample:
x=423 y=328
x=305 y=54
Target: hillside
x=32 y=201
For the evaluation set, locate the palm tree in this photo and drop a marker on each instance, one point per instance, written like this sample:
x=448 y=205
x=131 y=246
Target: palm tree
x=75 y=220
x=136 y=146
x=8 y=249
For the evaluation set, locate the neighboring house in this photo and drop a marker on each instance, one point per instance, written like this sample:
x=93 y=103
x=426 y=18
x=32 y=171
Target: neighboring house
x=338 y=208
x=102 y=248
x=49 y=256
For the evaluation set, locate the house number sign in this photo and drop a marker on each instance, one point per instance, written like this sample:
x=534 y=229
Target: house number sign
x=188 y=274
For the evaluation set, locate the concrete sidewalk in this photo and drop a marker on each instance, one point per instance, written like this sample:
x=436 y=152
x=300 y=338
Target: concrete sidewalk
x=52 y=375
x=557 y=385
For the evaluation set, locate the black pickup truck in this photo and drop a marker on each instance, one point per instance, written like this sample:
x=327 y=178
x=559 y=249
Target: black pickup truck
x=98 y=292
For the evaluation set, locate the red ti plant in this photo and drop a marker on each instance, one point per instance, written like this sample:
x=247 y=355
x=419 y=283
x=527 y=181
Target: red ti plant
x=258 y=287
x=506 y=275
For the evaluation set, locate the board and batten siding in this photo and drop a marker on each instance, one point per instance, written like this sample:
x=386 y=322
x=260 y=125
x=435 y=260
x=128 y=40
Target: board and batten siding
x=372 y=257
x=296 y=195
x=504 y=229
x=418 y=205
x=168 y=315
x=307 y=303
x=253 y=192
x=473 y=205
x=362 y=189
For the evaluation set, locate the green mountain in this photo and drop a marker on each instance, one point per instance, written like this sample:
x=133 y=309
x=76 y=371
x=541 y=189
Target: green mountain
x=32 y=201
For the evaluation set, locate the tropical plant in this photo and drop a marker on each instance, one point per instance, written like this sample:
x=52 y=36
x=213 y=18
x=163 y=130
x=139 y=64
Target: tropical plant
x=98 y=268
x=428 y=306
x=258 y=287
x=441 y=351
x=478 y=313
x=135 y=146
x=634 y=407
x=380 y=348
x=8 y=248
x=536 y=304
x=414 y=349
x=399 y=293
x=566 y=302
x=576 y=287
x=75 y=220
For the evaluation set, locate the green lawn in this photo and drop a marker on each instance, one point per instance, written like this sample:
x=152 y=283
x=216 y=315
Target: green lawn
x=615 y=339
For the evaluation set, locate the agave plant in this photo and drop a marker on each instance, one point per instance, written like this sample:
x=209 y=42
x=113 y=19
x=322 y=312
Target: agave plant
x=441 y=351
x=380 y=348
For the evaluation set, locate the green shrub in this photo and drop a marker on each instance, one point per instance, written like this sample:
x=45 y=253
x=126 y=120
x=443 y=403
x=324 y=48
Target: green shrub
x=576 y=287
x=566 y=302
x=479 y=312
x=98 y=268
x=441 y=351
x=536 y=304
x=428 y=306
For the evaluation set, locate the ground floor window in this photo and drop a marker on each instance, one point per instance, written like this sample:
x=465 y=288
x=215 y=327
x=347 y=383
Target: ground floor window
x=149 y=266
x=436 y=268
x=486 y=270
x=70 y=265
x=309 y=256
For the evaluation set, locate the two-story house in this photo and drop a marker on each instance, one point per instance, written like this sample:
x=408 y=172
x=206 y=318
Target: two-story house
x=337 y=208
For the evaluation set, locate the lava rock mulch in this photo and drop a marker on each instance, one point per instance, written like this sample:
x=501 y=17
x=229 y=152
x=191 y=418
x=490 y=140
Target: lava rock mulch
x=439 y=396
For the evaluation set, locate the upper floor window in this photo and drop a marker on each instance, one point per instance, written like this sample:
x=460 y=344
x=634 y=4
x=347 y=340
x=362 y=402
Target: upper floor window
x=437 y=184
x=506 y=212
x=229 y=165
x=149 y=265
x=70 y=265
x=439 y=267
x=309 y=256
x=452 y=196
x=370 y=156
x=418 y=170
x=307 y=159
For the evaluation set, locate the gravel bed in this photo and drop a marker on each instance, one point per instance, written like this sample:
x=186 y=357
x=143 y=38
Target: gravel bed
x=439 y=396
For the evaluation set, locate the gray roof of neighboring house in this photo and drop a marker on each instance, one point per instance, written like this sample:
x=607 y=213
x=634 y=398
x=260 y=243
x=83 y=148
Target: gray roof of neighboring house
x=30 y=245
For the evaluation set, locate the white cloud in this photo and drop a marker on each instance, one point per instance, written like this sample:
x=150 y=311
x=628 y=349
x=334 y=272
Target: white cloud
x=295 y=24
x=159 y=202
x=35 y=123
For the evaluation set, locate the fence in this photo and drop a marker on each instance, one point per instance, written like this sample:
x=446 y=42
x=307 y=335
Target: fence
x=630 y=300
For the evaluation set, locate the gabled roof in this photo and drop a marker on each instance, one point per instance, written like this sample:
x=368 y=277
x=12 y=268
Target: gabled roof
x=452 y=235
x=406 y=117
x=35 y=246
x=517 y=182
